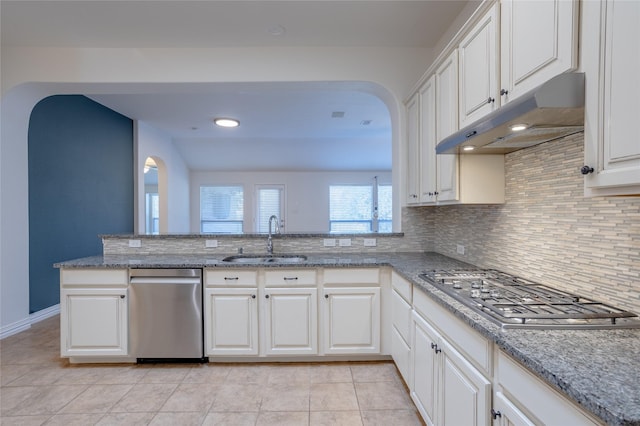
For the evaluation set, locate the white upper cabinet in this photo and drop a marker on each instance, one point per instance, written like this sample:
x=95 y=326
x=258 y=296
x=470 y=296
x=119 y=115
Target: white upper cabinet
x=611 y=61
x=538 y=40
x=447 y=123
x=428 y=173
x=413 y=148
x=478 y=69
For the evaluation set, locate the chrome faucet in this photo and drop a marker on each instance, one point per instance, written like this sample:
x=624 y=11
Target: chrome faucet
x=277 y=230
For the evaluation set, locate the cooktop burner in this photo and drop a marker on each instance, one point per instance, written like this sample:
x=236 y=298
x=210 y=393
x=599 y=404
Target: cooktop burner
x=514 y=302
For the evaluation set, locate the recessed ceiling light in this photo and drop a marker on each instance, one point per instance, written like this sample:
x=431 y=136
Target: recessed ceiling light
x=226 y=122
x=337 y=114
x=277 y=30
x=518 y=127
x=469 y=148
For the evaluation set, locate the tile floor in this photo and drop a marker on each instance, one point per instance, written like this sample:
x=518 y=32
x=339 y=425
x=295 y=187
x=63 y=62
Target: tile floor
x=37 y=387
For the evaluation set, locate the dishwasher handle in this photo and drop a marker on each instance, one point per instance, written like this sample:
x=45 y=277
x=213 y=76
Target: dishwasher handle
x=165 y=280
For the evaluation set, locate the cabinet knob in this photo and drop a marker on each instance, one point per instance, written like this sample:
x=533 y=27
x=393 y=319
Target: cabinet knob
x=491 y=100
x=495 y=414
x=266 y=296
x=503 y=92
x=436 y=193
x=122 y=296
x=253 y=296
x=585 y=170
x=326 y=296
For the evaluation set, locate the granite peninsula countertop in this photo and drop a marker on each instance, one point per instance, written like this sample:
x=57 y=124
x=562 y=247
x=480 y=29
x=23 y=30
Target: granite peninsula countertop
x=598 y=369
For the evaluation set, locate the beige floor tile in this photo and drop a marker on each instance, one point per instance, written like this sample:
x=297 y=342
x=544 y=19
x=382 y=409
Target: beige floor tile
x=126 y=419
x=74 y=419
x=374 y=372
x=40 y=376
x=293 y=397
x=24 y=420
x=207 y=374
x=162 y=373
x=336 y=418
x=191 y=397
x=230 y=419
x=82 y=374
x=144 y=397
x=289 y=374
x=333 y=397
x=234 y=397
x=174 y=419
x=249 y=374
x=121 y=375
x=330 y=373
x=283 y=418
x=10 y=372
x=382 y=396
x=47 y=400
x=97 y=399
x=11 y=397
x=391 y=417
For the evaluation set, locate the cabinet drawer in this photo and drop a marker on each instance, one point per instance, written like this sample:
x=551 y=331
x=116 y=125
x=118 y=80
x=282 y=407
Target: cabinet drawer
x=401 y=354
x=536 y=398
x=281 y=277
x=352 y=276
x=474 y=346
x=230 y=277
x=101 y=277
x=402 y=286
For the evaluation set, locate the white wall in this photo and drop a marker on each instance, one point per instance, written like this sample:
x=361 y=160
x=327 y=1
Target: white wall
x=173 y=180
x=307 y=194
x=29 y=74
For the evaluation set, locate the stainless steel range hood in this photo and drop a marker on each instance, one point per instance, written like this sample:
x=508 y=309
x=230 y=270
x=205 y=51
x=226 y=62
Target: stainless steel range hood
x=551 y=111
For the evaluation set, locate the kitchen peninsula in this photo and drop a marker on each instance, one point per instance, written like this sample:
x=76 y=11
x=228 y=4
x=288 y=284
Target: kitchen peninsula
x=592 y=373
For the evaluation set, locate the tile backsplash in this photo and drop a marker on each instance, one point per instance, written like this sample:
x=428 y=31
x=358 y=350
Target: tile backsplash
x=547 y=230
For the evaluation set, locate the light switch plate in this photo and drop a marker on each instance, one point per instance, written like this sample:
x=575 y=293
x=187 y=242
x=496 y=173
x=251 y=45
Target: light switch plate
x=135 y=243
x=211 y=243
x=344 y=242
x=369 y=242
x=329 y=242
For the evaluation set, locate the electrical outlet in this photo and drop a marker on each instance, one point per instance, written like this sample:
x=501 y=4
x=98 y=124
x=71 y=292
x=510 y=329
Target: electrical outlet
x=135 y=243
x=211 y=243
x=345 y=242
x=369 y=242
x=460 y=249
x=329 y=242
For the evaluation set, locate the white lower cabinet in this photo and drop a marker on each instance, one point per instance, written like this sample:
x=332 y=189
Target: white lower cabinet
x=445 y=387
x=94 y=316
x=523 y=399
x=231 y=321
x=351 y=320
x=291 y=321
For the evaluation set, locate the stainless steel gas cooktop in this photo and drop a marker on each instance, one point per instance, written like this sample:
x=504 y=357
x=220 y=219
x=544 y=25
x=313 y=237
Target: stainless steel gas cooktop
x=513 y=302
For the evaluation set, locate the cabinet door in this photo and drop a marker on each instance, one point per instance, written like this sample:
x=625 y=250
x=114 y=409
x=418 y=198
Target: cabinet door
x=466 y=394
x=478 y=69
x=446 y=124
x=291 y=321
x=94 y=322
x=538 y=40
x=612 y=96
x=427 y=158
x=423 y=384
x=351 y=320
x=231 y=321
x=508 y=414
x=413 y=166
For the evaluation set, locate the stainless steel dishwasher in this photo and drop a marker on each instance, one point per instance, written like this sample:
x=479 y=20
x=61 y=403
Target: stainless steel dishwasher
x=165 y=315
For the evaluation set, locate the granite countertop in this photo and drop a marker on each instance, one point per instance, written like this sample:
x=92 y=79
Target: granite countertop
x=598 y=369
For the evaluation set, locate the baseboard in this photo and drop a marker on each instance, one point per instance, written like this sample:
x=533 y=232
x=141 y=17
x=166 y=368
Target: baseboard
x=25 y=324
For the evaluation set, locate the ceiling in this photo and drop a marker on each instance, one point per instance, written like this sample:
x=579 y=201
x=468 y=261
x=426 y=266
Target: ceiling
x=283 y=126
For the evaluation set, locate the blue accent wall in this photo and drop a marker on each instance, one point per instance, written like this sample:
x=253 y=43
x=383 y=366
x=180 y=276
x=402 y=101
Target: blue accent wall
x=80 y=186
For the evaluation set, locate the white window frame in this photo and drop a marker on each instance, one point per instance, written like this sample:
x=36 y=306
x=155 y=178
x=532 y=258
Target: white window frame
x=281 y=215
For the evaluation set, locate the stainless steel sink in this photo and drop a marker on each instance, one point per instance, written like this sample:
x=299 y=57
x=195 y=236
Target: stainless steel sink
x=269 y=258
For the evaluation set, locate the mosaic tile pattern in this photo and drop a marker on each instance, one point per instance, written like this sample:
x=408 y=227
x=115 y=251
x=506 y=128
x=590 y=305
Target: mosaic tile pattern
x=548 y=231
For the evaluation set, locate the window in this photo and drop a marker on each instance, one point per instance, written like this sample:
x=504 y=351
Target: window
x=152 y=213
x=360 y=208
x=221 y=209
x=270 y=201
